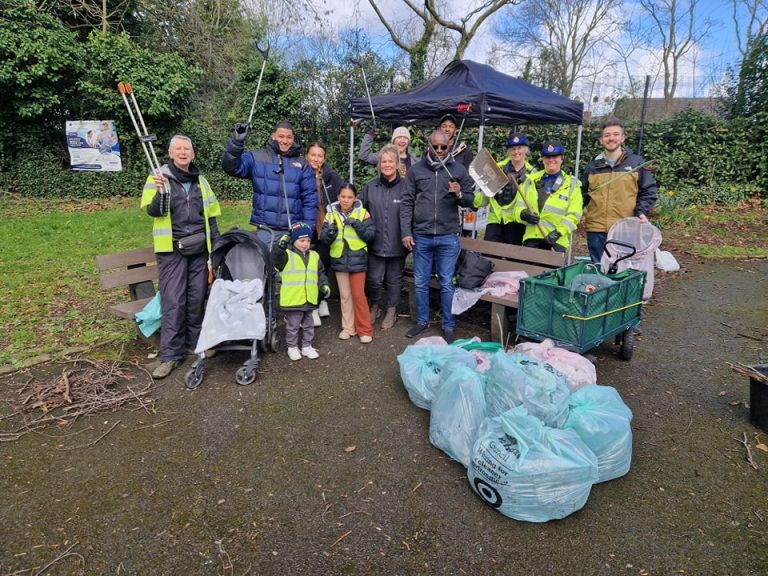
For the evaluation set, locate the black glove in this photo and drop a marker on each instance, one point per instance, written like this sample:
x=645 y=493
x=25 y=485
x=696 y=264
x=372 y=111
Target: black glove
x=241 y=131
x=283 y=242
x=529 y=217
x=506 y=194
x=552 y=237
x=326 y=291
x=355 y=223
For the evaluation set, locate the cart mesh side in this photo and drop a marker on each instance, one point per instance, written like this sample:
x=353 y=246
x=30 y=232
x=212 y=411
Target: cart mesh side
x=578 y=321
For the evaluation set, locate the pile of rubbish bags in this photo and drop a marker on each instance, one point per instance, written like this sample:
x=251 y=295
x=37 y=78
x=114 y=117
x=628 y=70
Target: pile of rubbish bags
x=531 y=425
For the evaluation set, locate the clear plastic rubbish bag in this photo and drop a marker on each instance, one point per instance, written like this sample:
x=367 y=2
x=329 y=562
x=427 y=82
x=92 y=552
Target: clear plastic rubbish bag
x=458 y=409
x=528 y=471
x=420 y=368
x=519 y=380
x=600 y=418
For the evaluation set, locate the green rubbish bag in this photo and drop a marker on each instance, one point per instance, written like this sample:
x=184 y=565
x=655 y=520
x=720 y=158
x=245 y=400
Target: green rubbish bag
x=148 y=318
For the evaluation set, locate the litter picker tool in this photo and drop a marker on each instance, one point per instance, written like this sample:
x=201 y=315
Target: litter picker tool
x=461 y=109
x=146 y=140
x=367 y=91
x=622 y=174
x=431 y=147
x=281 y=171
x=264 y=55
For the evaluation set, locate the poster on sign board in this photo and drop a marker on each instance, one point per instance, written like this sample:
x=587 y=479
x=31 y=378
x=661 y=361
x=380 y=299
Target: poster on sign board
x=93 y=145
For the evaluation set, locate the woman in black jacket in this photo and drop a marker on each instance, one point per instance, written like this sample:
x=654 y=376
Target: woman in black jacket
x=386 y=253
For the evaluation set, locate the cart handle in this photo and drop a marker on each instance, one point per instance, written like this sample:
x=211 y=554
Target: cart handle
x=615 y=265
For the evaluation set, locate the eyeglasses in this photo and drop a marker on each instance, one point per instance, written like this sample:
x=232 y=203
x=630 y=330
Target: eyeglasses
x=439 y=146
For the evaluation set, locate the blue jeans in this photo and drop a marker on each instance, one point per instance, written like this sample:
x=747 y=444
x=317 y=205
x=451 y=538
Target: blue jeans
x=596 y=243
x=443 y=249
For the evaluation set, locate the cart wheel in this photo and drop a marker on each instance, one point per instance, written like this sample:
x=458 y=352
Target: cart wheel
x=627 y=344
x=194 y=376
x=245 y=375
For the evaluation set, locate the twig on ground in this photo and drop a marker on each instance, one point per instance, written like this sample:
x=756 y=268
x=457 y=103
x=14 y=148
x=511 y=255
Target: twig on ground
x=226 y=561
x=95 y=441
x=340 y=538
x=748 y=447
x=155 y=425
x=748 y=371
x=63 y=555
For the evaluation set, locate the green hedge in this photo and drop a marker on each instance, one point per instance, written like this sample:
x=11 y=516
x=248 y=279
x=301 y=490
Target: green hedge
x=702 y=158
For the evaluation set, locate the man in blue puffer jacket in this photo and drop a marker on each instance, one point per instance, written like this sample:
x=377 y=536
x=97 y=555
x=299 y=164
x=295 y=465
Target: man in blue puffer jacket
x=266 y=167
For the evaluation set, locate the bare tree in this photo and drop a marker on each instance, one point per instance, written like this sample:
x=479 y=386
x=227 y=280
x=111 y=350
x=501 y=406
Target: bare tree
x=756 y=23
x=680 y=31
x=465 y=27
x=433 y=23
x=561 y=37
x=418 y=46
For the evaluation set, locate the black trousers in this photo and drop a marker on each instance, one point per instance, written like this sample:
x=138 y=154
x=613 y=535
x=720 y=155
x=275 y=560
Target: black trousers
x=384 y=273
x=511 y=233
x=183 y=284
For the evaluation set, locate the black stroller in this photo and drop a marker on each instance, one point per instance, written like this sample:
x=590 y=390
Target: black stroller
x=239 y=315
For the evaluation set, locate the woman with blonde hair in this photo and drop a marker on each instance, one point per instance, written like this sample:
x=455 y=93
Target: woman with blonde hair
x=386 y=253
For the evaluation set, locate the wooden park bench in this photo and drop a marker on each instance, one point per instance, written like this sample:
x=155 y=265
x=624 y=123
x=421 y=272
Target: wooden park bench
x=134 y=269
x=505 y=258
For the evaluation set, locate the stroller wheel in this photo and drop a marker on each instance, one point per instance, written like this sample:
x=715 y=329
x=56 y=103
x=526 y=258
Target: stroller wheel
x=245 y=375
x=274 y=340
x=627 y=345
x=195 y=375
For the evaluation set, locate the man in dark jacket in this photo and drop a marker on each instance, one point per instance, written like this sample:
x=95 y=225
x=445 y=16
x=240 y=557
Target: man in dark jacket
x=430 y=224
x=283 y=182
x=615 y=185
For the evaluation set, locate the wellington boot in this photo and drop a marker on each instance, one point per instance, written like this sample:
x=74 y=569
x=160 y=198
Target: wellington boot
x=389 y=318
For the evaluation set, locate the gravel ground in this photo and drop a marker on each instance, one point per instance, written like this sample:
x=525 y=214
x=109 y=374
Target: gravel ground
x=324 y=467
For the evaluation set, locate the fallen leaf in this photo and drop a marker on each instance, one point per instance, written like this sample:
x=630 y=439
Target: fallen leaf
x=762 y=447
x=723 y=393
x=221 y=501
x=350 y=448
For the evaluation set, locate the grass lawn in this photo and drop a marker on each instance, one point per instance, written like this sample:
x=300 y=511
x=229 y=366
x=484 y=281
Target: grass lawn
x=52 y=303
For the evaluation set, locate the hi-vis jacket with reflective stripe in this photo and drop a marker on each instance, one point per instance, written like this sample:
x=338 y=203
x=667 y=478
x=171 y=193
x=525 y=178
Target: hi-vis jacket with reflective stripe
x=348 y=235
x=502 y=205
x=162 y=231
x=299 y=280
x=561 y=210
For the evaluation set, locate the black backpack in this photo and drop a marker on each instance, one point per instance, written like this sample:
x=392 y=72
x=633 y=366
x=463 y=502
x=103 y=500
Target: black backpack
x=472 y=268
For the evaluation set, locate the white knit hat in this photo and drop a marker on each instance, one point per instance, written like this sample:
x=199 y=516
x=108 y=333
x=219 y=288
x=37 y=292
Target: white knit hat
x=401 y=131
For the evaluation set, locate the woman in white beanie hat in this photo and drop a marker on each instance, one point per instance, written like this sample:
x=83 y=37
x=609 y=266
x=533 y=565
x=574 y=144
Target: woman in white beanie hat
x=401 y=139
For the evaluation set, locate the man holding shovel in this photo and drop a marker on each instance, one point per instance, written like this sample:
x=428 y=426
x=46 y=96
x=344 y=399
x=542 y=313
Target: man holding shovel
x=617 y=184
x=434 y=190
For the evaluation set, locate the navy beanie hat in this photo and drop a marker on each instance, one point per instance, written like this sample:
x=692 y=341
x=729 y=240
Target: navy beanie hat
x=300 y=230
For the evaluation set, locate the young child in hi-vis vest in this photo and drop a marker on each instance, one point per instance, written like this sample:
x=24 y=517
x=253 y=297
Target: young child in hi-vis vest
x=303 y=281
x=347 y=230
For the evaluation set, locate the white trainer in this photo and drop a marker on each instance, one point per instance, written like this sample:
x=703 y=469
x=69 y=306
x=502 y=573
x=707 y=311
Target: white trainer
x=309 y=352
x=344 y=335
x=322 y=309
x=316 y=318
x=366 y=339
x=294 y=354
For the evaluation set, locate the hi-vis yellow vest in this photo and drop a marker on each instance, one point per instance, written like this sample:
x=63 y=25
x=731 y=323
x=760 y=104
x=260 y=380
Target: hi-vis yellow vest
x=162 y=235
x=299 y=281
x=561 y=211
x=346 y=232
